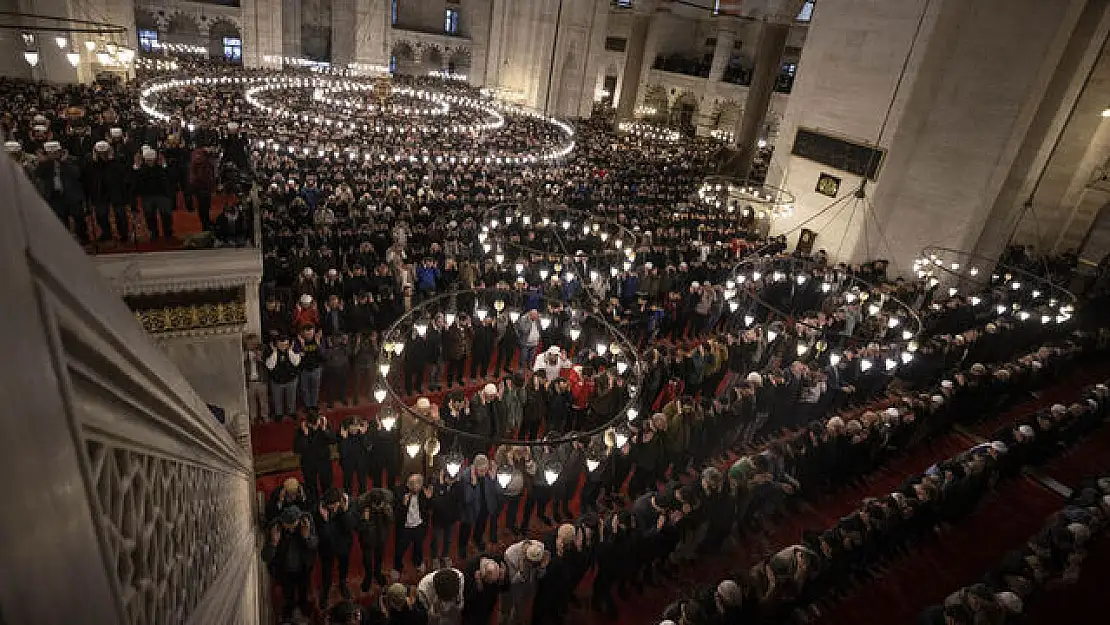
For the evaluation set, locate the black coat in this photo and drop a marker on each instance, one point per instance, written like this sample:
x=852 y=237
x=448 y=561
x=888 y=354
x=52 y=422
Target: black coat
x=337 y=534
x=314 y=447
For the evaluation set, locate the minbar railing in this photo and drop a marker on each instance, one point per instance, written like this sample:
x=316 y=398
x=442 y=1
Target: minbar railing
x=127 y=501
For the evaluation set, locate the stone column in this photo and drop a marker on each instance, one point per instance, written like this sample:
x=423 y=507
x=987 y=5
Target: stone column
x=768 y=62
x=262 y=33
x=722 y=52
x=291 y=28
x=343 y=16
x=595 y=58
x=634 y=60
x=495 y=44
x=373 y=32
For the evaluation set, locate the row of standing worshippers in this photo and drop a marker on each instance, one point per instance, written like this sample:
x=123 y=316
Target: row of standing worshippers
x=1051 y=558
x=803 y=580
x=756 y=486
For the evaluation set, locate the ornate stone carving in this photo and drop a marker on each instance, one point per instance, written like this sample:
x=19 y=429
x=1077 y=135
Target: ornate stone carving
x=169 y=272
x=222 y=317
x=169 y=528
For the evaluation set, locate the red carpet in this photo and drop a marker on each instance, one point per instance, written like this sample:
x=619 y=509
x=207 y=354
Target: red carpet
x=184 y=224
x=1003 y=520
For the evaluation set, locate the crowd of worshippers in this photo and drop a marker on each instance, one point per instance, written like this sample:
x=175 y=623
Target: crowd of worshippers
x=112 y=176
x=799 y=581
x=1052 y=558
x=629 y=541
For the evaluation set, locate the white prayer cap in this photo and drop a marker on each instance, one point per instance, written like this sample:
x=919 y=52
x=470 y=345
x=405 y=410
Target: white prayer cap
x=489 y=389
x=755 y=378
x=39 y=119
x=102 y=146
x=38 y=128
x=116 y=132
x=946 y=384
x=12 y=147
x=938 y=399
x=1010 y=601
x=1026 y=430
x=233 y=126
x=52 y=146
x=149 y=153
x=1058 y=408
x=999 y=446
x=306 y=300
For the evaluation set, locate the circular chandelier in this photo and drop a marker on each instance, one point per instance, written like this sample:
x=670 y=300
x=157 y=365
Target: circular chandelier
x=555 y=241
x=651 y=132
x=612 y=350
x=357 y=147
x=1009 y=290
x=762 y=200
x=789 y=291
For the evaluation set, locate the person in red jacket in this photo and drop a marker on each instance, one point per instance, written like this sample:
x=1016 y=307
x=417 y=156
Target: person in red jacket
x=305 y=313
x=202 y=183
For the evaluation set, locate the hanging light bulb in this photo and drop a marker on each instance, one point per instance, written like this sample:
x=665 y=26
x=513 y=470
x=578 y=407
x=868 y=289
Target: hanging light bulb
x=825 y=287
x=748 y=319
x=834 y=359
x=90 y=45
x=74 y=58
x=551 y=473
x=412 y=448
x=873 y=309
x=592 y=464
x=481 y=313
x=890 y=363
x=621 y=434
x=379 y=394
x=398 y=347
x=452 y=463
x=893 y=322
x=388 y=419
x=62 y=42
x=1023 y=315
x=499 y=305
x=733 y=306
x=1000 y=309
x=575 y=332
x=802 y=348
x=383 y=368
x=906 y=358
x=32 y=57
x=504 y=475
x=622 y=366
x=974 y=271
x=421 y=327
x=849 y=297
x=545 y=322
x=601 y=348
x=632 y=414
x=864 y=364
x=771 y=336
x=975 y=300
x=514 y=315
x=449 y=318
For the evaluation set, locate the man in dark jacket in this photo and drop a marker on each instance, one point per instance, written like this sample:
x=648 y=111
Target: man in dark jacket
x=481 y=503
x=152 y=185
x=375 y=521
x=106 y=181
x=355 y=445
x=313 y=442
x=59 y=182
x=290 y=552
x=457 y=341
x=335 y=526
x=202 y=183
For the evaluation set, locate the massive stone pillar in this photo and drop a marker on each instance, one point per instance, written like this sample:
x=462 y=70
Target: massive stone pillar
x=262 y=33
x=495 y=44
x=343 y=17
x=634 y=59
x=373 y=32
x=595 y=57
x=768 y=61
x=932 y=85
x=722 y=51
x=291 y=28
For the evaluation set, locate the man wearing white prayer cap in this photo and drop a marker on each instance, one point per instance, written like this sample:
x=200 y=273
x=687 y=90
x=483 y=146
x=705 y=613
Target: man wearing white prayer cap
x=59 y=181
x=153 y=186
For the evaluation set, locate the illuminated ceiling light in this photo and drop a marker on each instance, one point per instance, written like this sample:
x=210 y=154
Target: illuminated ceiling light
x=74 y=58
x=62 y=42
x=31 y=57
